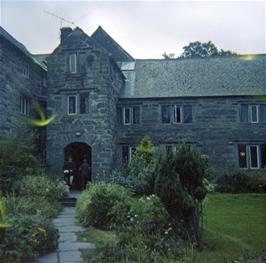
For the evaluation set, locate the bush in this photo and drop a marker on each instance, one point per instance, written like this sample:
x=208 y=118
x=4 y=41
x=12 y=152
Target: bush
x=42 y=187
x=16 y=160
x=238 y=181
x=95 y=203
x=138 y=174
x=27 y=237
x=180 y=184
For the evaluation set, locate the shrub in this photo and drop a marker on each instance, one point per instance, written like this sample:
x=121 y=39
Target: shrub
x=16 y=160
x=27 y=237
x=238 y=181
x=180 y=184
x=95 y=203
x=42 y=187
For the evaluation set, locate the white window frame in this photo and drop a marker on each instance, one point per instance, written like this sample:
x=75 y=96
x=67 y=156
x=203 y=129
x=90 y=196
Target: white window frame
x=257 y=113
x=181 y=113
x=258 y=156
x=75 y=63
x=24 y=105
x=124 y=115
x=76 y=109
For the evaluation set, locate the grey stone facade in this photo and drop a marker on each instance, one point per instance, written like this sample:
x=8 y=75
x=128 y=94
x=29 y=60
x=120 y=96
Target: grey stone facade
x=114 y=85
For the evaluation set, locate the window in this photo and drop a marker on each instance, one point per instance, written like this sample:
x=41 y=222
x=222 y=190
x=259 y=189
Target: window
x=127 y=153
x=131 y=115
x=24 y=105
x=262 y=113
x=72 y=104
x=243 y=113
x=26 y=70
x=73 y=63
x=170 y=148
x=242 y=156
x=177 y=114
x=187 y=113
x=254 y=113
x=254 y=156
x=84 y=103
x=166 y=113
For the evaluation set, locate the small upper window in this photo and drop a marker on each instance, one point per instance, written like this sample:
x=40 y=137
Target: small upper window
x=187 y=113
x=262 y=113
x=131 y=115
x=177 y=114
x=254 y=113
x=166 y=114
x=24 y=105
x=243 y=113
x=84 y=103
x=73 y=63
x=126 y=116
x=72 y=104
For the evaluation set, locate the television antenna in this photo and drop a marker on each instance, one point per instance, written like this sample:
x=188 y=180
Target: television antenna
x=62 y=19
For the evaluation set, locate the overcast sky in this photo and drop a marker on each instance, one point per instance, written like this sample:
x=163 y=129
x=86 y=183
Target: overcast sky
x=143 y=28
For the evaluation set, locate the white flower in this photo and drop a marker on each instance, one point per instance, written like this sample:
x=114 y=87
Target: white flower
x=131 y=219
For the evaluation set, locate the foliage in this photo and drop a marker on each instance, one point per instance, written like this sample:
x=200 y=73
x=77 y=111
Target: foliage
x=95 y=203
x=203 y=50
x=180 y=185
x=42 y=186
x=239 y=181
x=138 y=174
x=16 y=160
x=27 y=237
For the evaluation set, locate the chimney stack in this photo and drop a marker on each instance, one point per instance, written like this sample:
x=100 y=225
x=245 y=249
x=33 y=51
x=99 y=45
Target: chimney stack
x=65 y=31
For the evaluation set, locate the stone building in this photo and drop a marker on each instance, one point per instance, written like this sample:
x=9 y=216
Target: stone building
x=105 y=101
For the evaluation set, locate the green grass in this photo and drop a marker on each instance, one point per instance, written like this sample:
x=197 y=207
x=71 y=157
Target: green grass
x=233 y=225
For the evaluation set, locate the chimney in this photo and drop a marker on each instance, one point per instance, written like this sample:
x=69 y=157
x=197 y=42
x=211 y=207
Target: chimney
x=65 y=31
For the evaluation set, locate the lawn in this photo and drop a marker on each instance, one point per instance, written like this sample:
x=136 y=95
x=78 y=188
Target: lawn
x=233 y=225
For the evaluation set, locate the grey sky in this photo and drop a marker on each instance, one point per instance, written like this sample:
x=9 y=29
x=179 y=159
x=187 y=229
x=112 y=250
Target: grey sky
x=144 y=29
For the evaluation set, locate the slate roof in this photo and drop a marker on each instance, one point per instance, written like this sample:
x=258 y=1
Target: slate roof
x=226 y=76
x=108 y=43
x=18 y=45
x=41 y=58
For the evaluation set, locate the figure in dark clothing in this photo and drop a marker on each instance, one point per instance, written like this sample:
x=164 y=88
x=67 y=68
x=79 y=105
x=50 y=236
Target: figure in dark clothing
x=69 y=171
x=84 y=173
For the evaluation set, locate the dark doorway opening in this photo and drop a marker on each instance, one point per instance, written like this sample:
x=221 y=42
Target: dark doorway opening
x=78 y=152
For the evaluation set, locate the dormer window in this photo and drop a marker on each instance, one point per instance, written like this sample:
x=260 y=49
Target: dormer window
x=73 y=63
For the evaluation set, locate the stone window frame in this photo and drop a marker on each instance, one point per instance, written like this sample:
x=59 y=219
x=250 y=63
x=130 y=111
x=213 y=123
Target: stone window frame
x=76 y=108
x=70 y=64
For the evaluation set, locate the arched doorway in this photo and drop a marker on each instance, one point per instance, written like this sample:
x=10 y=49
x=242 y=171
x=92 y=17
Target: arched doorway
x=78 y=151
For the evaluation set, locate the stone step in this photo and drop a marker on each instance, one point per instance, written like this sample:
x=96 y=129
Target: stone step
x=68 y=201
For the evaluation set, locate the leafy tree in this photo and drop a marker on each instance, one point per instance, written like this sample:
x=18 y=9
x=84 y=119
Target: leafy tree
x=198 y=49
x=179 y=182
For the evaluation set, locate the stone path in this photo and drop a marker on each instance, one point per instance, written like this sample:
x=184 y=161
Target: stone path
x=68 y=250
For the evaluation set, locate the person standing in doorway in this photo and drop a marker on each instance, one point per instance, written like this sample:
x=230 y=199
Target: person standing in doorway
x=69 y=171
x=84 y=173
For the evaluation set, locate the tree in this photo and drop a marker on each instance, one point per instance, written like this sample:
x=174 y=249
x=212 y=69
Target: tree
x=203 y=50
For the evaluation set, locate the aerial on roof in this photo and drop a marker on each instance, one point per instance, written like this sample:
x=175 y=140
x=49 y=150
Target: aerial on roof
x=223 y=76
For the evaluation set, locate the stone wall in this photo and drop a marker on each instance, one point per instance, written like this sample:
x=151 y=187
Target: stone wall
x=14 y=83
x=215 y=130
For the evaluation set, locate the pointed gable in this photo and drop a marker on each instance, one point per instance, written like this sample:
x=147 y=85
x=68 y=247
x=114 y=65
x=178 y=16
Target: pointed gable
x=108 y=43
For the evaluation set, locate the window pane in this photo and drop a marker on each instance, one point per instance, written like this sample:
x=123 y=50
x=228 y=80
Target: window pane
x=125 y=153
x=242 y=156
x=254 y=113
x=187 y=113
x=263 y=155
x=177 y=114
x=84 y=103
x=166 y=116
x=132 y=152
x=73 y=63
x=72 y=104
x=253 y=156
x=244 y=113
x=126 y=115
x=263 y=113
x=136 y=115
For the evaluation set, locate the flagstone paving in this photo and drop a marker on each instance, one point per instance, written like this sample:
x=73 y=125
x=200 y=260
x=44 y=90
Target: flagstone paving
x=68 y=250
